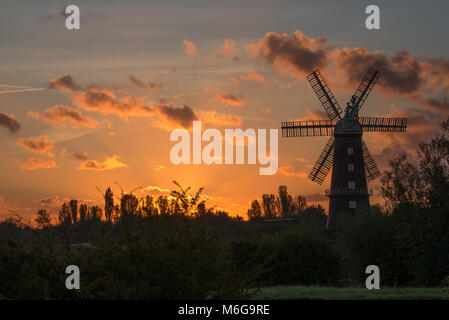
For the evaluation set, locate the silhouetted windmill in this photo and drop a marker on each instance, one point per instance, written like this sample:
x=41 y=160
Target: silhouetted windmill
x=345 y=152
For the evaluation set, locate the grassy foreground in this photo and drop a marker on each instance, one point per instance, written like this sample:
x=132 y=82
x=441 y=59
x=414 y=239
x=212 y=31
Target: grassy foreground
x=333 y=293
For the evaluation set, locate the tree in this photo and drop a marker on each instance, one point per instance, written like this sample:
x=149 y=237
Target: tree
x=301 y=204
x=162 y=205
x=64 y=214
x=269 y=205
x=148 y=206
x=255 y=212
x=73 y=205
x=108 y=204
x=43 y=219
x=95 y=213
x=83 y=212
x=183 y=202
x=128 y=204
x=284 y=202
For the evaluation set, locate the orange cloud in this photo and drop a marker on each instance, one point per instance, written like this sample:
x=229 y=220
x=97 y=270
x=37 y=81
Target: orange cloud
x=228 y=49
x=190 y=49
x=41 y=144
x=166 y=116
x=252 y=76
x=230 y=99
x=104 y=101
x=212 y=118
x=155 y=190
x=9 y=121
x=108 y=164
x=314 y=115
x=34 y=163
x=59 y=114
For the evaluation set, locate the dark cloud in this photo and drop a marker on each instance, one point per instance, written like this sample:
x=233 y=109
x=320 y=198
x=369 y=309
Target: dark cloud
x=231 y=99
x=9 y=121
x=64 y=83
x=295 y=54
x=150 y=86
x=80 y=156
x=401 y=72
x=183 y=116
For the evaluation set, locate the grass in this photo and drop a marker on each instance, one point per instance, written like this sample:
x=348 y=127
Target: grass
x=351 y=293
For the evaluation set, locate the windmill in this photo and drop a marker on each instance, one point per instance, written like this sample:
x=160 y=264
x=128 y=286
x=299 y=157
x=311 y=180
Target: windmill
x=345 y=153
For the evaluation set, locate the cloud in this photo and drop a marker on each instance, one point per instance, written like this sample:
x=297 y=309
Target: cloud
x=401 y=72
x=166 y=116
x=295 y=54
x=9 y=121
x=151 y=86
x=230 y=99
x=190 y=49
x=290 y=172
x=155 y=190
x=34 y=163
x=316 y=114
x=251 y=76
x=65 y=83
x=211 y=117
x=41 y=144
x=80 y=156
x=430 y=103
x=105 y=102
x=228 y=49
x=108 y=164
x=178 y=116
x=59 y=114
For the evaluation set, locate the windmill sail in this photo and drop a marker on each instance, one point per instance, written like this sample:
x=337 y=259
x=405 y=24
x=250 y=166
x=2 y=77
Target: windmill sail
x=371 y=170
x=325 y=95
x=383 y=124
x=364 y=89
x=324 y=163
x=308 y=128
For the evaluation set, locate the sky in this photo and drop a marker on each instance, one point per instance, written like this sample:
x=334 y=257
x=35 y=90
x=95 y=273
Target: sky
x=83 y=109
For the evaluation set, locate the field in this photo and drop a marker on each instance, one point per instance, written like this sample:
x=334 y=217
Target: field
x=333 y=293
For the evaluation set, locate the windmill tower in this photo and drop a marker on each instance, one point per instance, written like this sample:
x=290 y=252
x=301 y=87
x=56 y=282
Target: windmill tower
x=345 y=152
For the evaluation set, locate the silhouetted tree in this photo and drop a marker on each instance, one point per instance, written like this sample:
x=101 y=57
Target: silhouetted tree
x=83 y=212
x=148 y=206
x=269 y=205
x=301 y=204
x=162 y=205
x=255 y=211
x=284 y=202
x=43 y=219
x=183 y=202
x=64 y=214
x=128 y=204
x=95 y=213
x=108 y=204
x=73 y=205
